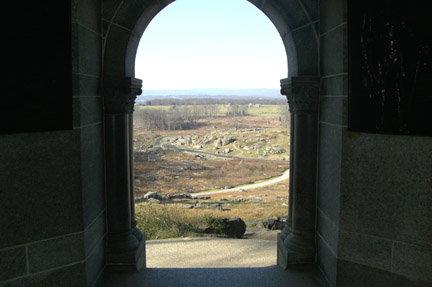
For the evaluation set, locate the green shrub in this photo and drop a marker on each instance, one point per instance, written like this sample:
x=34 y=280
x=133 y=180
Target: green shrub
x=159 y=222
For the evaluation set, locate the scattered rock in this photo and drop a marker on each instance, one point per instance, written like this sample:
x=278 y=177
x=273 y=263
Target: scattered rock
x=235 y=199
x=216 y=206
x=273 y=223
x=153 y=194
x=232 y=227
x=202 y=197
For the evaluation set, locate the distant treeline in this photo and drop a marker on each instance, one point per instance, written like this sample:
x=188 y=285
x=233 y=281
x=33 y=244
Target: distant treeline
x=214 y=101
x=180 y=117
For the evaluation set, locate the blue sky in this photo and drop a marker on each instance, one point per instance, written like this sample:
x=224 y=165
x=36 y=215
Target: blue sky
x=210 y=44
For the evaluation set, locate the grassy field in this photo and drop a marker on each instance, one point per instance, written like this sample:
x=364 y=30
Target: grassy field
x=171 y=219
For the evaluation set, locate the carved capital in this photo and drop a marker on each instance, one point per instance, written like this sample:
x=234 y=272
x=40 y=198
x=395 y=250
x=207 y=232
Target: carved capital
x=120 y=93
x=302 y=93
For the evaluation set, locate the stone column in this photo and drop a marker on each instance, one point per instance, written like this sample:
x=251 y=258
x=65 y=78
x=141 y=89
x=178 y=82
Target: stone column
x=296 y=243
x=124 y=251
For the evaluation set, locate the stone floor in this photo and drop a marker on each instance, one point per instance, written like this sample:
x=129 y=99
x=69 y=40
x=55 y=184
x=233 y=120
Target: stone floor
x=212 y=262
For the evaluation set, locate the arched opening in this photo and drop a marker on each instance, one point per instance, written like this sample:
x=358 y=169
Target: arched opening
x=186 y=142
x=126 y=22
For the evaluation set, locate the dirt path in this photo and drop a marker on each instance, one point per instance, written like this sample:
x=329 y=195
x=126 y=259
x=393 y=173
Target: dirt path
x=241 y=152
x=283 y=177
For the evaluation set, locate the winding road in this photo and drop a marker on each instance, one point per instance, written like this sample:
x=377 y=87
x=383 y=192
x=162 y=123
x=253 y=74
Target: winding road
x=274 y=180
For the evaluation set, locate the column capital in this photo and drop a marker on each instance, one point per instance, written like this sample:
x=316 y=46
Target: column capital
x=302 y=93
x=120 y=93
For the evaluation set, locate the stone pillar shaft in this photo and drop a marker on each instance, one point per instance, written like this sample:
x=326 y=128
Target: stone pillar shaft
x=296 y=244
x=124 y=250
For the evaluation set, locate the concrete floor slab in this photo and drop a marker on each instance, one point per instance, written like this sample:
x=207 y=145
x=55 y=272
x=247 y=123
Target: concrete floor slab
x=212 y=262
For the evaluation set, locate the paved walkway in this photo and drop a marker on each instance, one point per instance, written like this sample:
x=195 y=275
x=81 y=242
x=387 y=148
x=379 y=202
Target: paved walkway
x=212 y=262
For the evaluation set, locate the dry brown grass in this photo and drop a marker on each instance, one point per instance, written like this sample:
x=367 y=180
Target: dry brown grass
x=180 y=173
x=169 y=219
x=175 y=172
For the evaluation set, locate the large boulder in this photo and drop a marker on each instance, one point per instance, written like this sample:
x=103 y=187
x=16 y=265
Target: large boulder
x=232 y=227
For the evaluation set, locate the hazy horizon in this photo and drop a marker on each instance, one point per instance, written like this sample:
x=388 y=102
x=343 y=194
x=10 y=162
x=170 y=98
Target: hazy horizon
x=211 y=92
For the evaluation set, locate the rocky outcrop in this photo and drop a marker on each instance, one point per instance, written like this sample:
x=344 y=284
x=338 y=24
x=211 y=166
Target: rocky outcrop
x=149 y=196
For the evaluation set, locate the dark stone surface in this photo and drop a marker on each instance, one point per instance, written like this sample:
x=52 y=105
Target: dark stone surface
x=333 y=52
x=129 y=12
x=292 y=12
x=328 y=231
x=371 y=251
x=413 y=261
x=92 y=172
x=118 y=47
x=85 y=86
x=57 y=252
x=86 y=51
x=95 y=263
x=40 y=191
x=12 y=263
x=332 y=110
x=307 y=51
x=333 y=13
x=357 y=275
x=87 y=111
x=94 y=233
x=327 y=261
x=87 y=13
x=382 y=180
x=313 y=8
x=334 y=86
x=330 y=171
x=71 y=276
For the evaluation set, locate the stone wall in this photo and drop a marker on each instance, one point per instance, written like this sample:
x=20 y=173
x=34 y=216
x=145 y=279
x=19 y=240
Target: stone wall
x=375 y=191
x=88 y=121
x=385 y=216
x=52 y=215
x=333 y=123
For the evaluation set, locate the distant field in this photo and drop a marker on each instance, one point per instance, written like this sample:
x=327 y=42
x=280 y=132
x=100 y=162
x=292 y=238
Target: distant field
x=255 y=147
x=221 y=110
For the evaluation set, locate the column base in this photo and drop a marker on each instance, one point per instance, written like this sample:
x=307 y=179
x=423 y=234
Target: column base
x=138 y=234
x=133 y=260
x=287 y=255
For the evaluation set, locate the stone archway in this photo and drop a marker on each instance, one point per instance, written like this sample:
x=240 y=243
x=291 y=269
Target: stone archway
x=125 y=22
